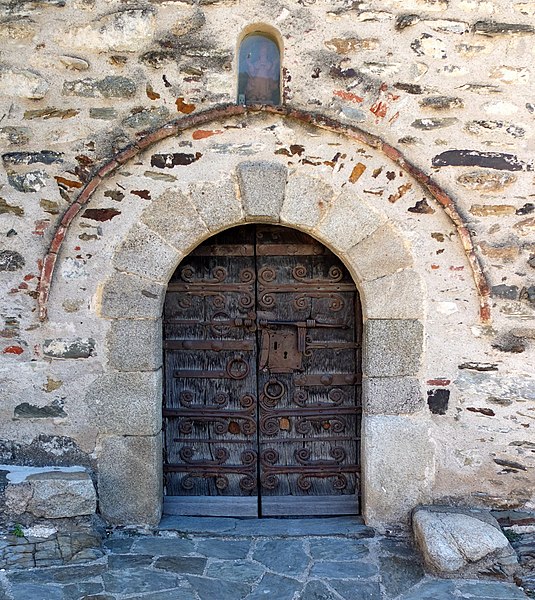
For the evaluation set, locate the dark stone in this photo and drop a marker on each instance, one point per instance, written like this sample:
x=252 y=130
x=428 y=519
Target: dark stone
x=239 y=571
x=47 y=157
x=58 y=575
x=339 y=73
x=182 y=564
x=357 y=590
x=113 y=86
x=44 y=450
x=442 y=102
x=157 y=58
x=287 y=557
x=316 y=590
x=137 y=581
x=11 y=260
x=437 y=401
x=491 y=28
x=528 y=294
x=337 y=549
x=82 y=590
x=410 y=88
x=343 y=570
x=527 y=209
x=508 y=292
x=488 y=412
x=143 y=118
x=275 y=586
x=228 y=549
x=116 y=195
x=421 y=207
x=404 y=21
x=163 y=161
x=434 y=589
x=105 y=114
x=100 y=214
x=62 y=348
x=478 y=366
x=509 y=343
x=475 y=158
x=510 y=463
x=158 y=546
x=209 y=589
x=119 y=544
x=27 y=182
x=118 y=562
x=29 y=411
x=37 y=592
x=427 y=124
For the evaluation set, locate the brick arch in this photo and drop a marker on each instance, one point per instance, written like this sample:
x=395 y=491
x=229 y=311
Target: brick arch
x=227 y=111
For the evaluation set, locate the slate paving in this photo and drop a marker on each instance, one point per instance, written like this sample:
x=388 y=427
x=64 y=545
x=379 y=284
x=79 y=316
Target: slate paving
x=229 y=559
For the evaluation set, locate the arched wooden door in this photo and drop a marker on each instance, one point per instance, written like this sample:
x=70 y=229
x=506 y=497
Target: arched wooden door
x=262 y=343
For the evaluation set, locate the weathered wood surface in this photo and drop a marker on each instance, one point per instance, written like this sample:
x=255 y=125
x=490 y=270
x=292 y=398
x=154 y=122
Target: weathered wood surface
x=262 y=382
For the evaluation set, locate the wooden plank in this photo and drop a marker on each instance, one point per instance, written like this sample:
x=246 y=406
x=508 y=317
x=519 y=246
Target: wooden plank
x=314 y=506
x=211 y=506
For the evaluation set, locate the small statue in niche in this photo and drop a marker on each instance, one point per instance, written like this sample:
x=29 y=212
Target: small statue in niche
x=259 y=81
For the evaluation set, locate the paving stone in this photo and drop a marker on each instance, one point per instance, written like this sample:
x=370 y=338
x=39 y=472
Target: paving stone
x=136 y=581
x=316 y=590
x=275 y=586
x=229 y=549
x=57 y=575
x=337 y=549
x=129 y=561
x=182 y=564
x=434 y=589
x=343 y=570
x=235 y=570
x=491 y=589
x=282 y=556
x=183 y=592
x=159 y=546
x=79 y=590
x=36 y=592
x=399 y=574
x=119 y=545
x=357 y=590
x=209 y=589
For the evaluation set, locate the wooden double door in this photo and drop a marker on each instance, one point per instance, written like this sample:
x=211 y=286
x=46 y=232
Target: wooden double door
x=262 y=344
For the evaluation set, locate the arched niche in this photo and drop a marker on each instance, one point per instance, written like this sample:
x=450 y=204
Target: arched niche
x=259 y=68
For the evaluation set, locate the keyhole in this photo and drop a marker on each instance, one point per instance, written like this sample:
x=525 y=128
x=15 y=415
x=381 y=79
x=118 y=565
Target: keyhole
x=275 y=345
x=285 y=354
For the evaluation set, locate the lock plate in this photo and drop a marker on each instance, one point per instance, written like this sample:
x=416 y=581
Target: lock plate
x=279 y=352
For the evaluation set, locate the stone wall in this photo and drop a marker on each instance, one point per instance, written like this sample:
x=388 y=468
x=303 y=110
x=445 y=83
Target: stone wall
x=444 y=86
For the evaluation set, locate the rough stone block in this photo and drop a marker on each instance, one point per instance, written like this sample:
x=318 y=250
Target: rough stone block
x=130 y=480
x=22 y=83
x=462 y=542
x=397 y=296
x=53 y=495
x=262 y=186
x=135 y=345
x=127 y=403
x=382 y=253
x=217 y=203
x=72 y=348
x=393 y=347
x=144 y=253
x=174 y=218
x=125 y=296
x=392 y=395
x=348 y=221
x=398 y=458
x=306 y=201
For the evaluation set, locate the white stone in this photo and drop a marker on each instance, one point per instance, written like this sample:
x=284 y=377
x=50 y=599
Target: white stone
x=124 y=31
x=507 y=74
x=500 y=108
x=22 y=83
x=451 y=541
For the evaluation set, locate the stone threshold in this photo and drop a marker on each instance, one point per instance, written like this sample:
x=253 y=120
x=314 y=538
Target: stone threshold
x=349 y=527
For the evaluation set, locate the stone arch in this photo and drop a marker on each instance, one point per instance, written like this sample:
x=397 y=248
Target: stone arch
x=228 y=111
x=378 y=257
